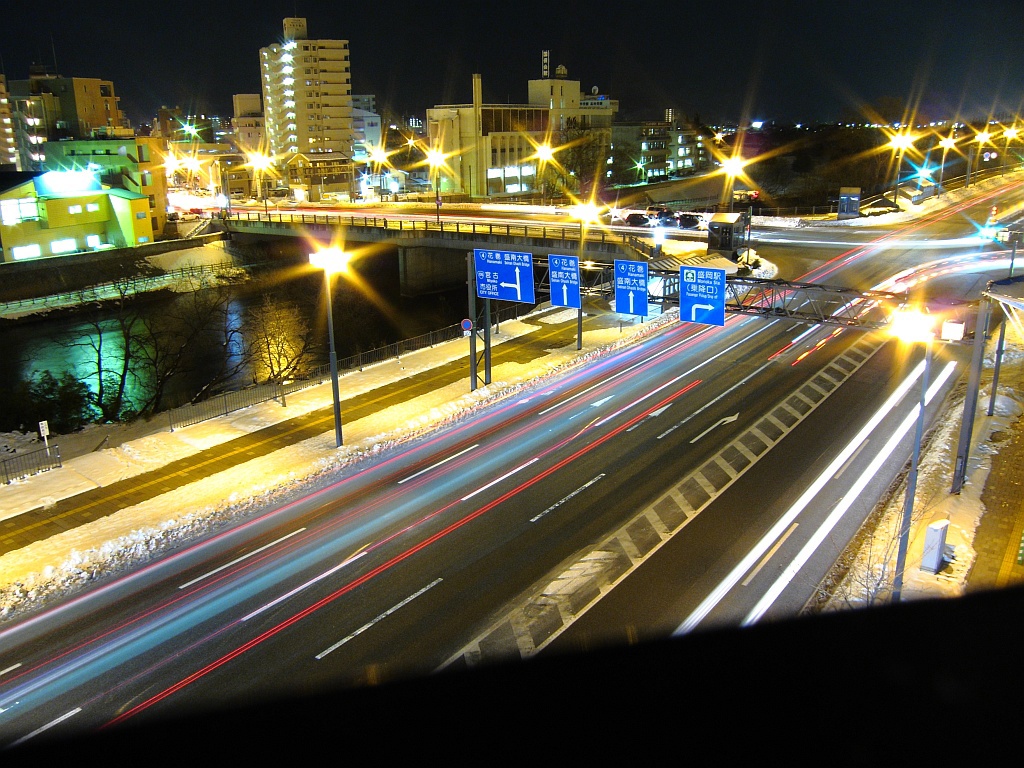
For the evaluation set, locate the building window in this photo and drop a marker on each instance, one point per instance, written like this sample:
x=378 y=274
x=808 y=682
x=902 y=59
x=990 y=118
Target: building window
x=141 y=215
x=32 y=251
x=74 y=209
x=67 y=245
x=92 y=241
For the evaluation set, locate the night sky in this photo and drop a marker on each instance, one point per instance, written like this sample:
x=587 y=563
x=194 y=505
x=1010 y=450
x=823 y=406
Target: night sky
x=782 y=60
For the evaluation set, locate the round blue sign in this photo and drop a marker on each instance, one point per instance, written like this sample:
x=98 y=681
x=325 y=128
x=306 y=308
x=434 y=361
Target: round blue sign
x=467 y=325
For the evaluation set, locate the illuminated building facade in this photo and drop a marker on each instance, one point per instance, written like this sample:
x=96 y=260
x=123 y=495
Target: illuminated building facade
x=8 y=149
x=49 y=108
x=58 y=213
x=134 y=164
x=307 y=110
x=491 y=149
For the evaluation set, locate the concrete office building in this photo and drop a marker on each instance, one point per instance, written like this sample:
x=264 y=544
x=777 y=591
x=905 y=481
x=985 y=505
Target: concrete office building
x=48 y=107
x=8 y=149
x=307 y=110
x=491 y=149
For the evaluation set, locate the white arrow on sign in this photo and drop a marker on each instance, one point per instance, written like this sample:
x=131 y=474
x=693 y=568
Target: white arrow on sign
x=565 y=293
x=631 y=302
x=518 y=291
x=693 y=310
x=720 y=422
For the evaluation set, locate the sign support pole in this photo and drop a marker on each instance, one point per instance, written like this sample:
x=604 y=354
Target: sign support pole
x=470 y=285
x=971 y=398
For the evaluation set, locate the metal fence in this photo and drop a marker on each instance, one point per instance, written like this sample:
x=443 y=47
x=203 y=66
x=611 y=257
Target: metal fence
x=31 y=463
x=235 y=400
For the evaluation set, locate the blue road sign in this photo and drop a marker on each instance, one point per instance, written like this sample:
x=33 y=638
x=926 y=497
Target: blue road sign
x=505 y=275
x=702 y=295
x=631 y=287
x=564 y=276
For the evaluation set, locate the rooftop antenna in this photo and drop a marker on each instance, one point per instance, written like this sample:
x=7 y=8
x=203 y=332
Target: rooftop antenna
x=53 y=48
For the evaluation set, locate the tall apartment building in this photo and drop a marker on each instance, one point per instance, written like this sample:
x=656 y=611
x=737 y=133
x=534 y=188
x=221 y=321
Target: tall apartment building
x=8 y=149
x=307 y=110
x=247 y=123
x=48 y=107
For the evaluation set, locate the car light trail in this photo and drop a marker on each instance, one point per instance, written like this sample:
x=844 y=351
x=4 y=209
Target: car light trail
x=730 y=581
x=836 y=515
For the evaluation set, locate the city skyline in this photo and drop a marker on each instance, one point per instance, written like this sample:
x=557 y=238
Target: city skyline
x=797 y=63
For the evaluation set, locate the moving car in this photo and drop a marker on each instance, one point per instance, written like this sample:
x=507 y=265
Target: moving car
x=638 y=220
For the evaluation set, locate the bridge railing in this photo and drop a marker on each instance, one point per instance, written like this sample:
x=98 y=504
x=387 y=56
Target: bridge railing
x=569 y=232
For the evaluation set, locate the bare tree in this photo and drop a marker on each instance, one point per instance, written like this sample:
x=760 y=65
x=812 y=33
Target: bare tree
x=278 y=337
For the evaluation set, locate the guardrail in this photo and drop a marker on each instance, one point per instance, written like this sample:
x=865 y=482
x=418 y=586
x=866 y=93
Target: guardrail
x=114 y=289
x=227 y=402
x=30 y=463
x=566 y=232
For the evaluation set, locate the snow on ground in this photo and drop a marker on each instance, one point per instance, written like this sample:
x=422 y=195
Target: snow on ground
x=107 y=546
x=101 y=455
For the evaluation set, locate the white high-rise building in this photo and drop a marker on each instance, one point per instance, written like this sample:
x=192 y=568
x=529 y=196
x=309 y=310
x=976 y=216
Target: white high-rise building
x=307 y=109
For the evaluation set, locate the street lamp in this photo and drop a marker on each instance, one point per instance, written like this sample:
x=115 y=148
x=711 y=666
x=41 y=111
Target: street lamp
x=545 y=154
x=331 y=261
x=947 y=144
x=900 y=143
x=1009 y=133
x=435 y=159
x=982 y=139
x=912 y=326
x=732 y=167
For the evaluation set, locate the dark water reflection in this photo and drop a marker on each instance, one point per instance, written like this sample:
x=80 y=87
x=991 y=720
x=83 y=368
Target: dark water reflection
x=369 y=312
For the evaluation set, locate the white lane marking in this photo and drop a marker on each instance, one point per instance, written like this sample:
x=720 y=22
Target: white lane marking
x=562 y=501
x=440 y=463
x=666 y=351
x=602 y=401
x=301 y=587
x=49 y=725
x=770 y=554
x=719 y=592
x=790 y=571
x=377 y=619
x=208 y=574
x=9 y=669
x=725 y=393
x=716 y=425
x=850 y=460
x=499 y=479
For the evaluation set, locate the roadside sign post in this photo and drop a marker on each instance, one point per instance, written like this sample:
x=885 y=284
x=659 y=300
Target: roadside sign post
x=564 y=277
x=702 y=295
x=44 y=432
x=631 y=287
x=493 y=274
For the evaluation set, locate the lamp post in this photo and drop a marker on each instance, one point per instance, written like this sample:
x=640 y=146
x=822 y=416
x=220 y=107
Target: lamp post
x=1009 y=133
x=545 y=154
x=982 y=139
x=912 y=326
x=900 y=143
x=947 y=144
x=732 y=166
x=332 y=261
x=584 y=213
x=435 y=158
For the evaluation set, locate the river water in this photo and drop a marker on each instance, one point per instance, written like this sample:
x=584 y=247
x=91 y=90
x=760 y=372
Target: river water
x=369 y=312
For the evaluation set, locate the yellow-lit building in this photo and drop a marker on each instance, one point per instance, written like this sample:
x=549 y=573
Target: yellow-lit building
x=135 y=164
x=490 y=150
x=57 y=213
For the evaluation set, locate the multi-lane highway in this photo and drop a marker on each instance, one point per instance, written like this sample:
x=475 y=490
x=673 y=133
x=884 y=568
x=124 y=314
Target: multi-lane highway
x=705 y=477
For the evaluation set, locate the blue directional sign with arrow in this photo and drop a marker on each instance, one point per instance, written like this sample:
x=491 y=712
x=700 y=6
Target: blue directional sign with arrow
x=702 y=295
x=631 y=287
x=564 y=276
x=505 y=275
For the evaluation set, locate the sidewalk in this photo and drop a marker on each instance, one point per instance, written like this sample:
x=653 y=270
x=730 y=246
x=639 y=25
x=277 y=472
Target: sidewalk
x=985 y=545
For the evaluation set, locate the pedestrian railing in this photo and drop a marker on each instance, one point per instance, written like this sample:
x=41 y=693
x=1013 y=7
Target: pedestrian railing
x=226 y=402
x=29 y=463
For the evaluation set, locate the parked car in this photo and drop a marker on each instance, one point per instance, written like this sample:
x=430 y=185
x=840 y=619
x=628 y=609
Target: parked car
x=689 y=221
x=638 y=220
